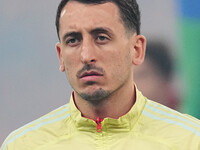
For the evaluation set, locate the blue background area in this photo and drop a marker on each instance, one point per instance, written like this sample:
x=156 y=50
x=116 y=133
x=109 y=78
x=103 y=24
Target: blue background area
x=190 y=8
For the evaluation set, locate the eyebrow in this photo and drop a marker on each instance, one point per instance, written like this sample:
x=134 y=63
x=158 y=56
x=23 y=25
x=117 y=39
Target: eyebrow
x=92 y=32
x=71 y=34
x=101 y=30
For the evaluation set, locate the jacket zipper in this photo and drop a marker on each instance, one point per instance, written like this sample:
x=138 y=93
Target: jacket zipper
x=98 y=121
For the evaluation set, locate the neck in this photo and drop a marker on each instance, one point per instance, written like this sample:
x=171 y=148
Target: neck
x=115 y=106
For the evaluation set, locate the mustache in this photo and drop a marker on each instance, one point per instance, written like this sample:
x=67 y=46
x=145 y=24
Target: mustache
x=89 y=67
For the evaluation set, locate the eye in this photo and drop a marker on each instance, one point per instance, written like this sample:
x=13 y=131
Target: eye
x=72 y=42
x=101 y=39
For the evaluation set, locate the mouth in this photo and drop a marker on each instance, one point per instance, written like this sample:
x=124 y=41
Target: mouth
x=91 y=74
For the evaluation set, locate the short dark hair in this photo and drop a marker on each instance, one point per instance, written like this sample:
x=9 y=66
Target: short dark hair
x=129 y=12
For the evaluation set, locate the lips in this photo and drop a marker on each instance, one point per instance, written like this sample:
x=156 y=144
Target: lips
x=90 y=73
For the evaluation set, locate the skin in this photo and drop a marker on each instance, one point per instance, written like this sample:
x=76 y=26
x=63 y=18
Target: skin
x=94 y=35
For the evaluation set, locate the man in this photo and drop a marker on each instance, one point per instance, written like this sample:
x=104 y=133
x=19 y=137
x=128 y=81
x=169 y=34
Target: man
x=100 y=43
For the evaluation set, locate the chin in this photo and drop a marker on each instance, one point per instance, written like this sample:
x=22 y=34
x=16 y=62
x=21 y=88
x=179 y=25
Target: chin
x=96 y=95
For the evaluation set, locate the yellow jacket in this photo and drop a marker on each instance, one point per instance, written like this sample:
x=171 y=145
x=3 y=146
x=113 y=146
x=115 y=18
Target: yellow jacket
x=147 y=126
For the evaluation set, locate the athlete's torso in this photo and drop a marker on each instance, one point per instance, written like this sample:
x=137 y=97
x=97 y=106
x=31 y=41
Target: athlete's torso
x=148 y=126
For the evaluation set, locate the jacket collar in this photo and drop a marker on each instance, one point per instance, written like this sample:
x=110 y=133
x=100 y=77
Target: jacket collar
x=123 y=124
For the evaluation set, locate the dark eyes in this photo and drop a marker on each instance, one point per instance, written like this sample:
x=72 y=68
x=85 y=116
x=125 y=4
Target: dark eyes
x=72 y=42
x=99 y=39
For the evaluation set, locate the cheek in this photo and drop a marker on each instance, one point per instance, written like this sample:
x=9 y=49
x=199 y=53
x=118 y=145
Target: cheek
x=123 y=60
x=70 y=66
x=70 y=61
x=121 y=64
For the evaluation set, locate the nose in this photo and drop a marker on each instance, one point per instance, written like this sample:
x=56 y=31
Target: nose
x=88 y=53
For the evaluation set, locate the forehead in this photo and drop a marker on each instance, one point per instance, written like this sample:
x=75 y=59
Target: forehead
x=76 y=14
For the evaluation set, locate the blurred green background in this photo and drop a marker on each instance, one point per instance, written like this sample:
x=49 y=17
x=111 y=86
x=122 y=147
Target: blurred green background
x=189 y=64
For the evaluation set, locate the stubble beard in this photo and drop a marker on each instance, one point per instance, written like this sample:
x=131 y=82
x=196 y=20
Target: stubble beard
x=100 y=96
x=97 y=97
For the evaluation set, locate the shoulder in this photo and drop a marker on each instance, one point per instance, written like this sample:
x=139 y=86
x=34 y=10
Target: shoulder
x=164 y=123
x=47 y=126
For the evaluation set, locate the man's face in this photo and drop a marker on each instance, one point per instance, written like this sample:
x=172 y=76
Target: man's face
x=94 y=50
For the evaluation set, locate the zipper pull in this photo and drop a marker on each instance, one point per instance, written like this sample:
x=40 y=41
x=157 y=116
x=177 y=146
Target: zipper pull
x=99 y=129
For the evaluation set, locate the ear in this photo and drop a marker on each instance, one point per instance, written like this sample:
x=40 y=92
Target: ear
x=58 y=48
x=139 y=49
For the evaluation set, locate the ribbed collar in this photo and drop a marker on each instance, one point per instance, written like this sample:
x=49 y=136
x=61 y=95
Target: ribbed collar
x=123 y=124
